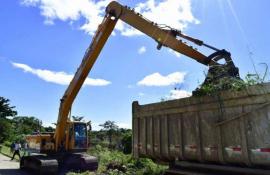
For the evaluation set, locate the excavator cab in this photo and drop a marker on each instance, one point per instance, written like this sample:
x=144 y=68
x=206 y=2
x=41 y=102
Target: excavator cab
x=80 y=141
x=78 y=136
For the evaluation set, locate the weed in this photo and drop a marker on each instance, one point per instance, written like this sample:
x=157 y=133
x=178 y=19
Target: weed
x=231 y=83
x=117 y=163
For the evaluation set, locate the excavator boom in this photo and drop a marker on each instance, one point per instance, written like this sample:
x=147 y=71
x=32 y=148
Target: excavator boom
x=167 y=37
x=102 y=34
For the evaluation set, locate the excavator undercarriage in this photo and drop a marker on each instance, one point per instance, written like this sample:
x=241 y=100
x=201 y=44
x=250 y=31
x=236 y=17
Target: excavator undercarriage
x=59 y=163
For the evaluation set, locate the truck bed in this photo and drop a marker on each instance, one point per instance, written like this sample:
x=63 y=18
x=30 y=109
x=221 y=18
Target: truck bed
x=228 y=128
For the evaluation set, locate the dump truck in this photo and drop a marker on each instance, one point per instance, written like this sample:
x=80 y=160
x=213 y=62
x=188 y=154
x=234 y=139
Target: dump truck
x=226 y=133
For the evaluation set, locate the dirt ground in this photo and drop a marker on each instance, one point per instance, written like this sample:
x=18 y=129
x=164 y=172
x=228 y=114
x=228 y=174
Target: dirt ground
x=8 y=167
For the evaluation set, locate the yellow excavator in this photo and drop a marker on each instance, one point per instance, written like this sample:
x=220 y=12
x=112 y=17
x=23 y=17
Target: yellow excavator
x=66 y=147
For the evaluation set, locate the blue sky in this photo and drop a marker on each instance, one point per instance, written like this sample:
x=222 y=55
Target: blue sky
x=43 y=42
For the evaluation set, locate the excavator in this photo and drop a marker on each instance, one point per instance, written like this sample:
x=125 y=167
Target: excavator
x=66 y=147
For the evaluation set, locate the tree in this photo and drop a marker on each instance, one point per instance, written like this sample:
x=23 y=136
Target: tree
x=26 y=125
x=111 y=128
x=77 y=118
x=89 y=124
x=5 y=108
x=23 y=125
x=5 y=129
x=49 y=129
x=127 y=142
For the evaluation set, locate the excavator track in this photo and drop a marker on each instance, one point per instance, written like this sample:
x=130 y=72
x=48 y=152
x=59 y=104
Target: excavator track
x=59 y=163
x=79 y=161
x=39 y=164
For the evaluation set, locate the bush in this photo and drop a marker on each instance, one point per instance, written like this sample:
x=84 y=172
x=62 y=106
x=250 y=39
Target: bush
x=84 y=173
x=5 y=129
x=118 y=163
x=127 y=143
x=228 y=84
x=219 y=78
x=7 y=144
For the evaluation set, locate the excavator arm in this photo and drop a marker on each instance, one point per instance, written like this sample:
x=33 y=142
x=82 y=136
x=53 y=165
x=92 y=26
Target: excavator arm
x=167 y=37
x=102 y=34
x=164 y=37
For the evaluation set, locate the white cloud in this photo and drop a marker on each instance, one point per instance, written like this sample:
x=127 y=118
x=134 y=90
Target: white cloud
x=177 y=54
x=95 y=126
x=142 y=50
x=61 y=78
x=174 y=13
x=177 y=94
x=71 y=10
x=156 y=79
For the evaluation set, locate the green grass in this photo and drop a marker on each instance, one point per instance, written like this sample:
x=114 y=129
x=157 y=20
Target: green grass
x=119 y=163
x=6 y=151
x=113 y=162
x=84 y=173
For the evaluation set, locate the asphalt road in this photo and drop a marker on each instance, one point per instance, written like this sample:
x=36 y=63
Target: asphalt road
x=8 y=167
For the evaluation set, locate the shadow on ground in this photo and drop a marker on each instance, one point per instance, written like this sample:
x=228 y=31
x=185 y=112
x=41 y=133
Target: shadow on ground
x=12 y=172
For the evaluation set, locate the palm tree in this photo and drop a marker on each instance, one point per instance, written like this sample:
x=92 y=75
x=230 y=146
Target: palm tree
x=77 y=118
